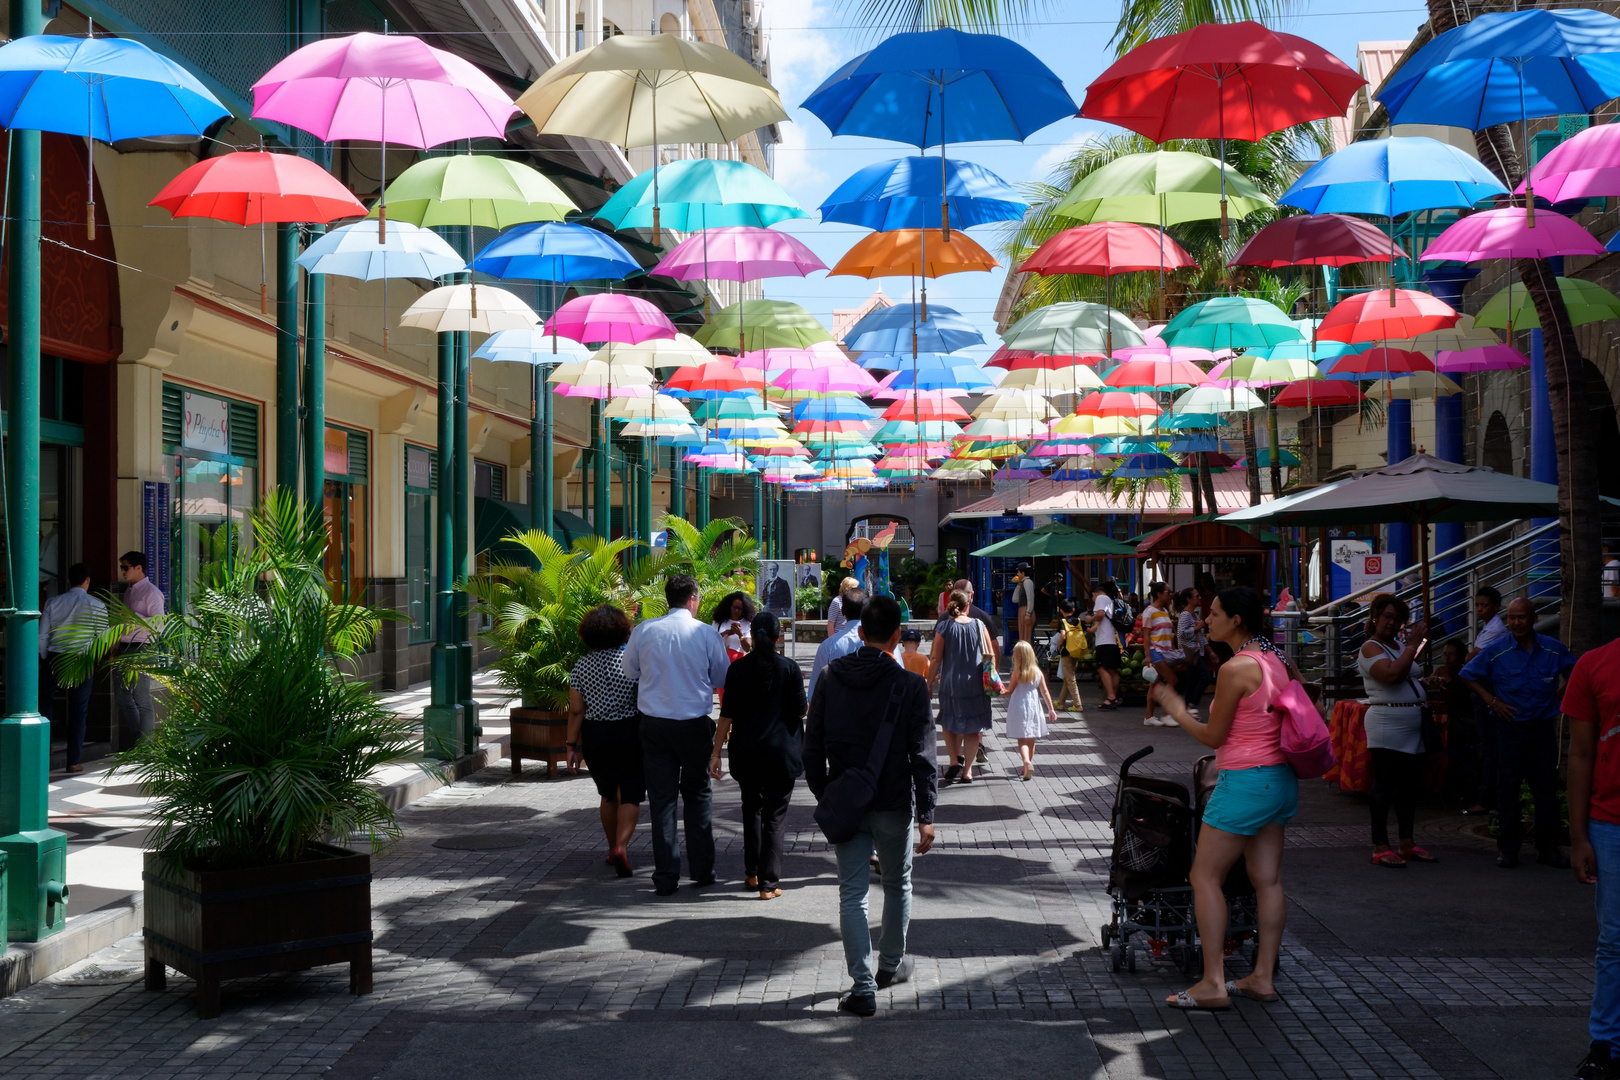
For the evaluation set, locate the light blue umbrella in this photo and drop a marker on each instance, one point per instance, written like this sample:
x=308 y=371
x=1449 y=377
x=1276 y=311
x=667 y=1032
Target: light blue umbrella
x=531 y=346
x=1305 y=350
x=964 y=376
x=697 y=193
x=904 y=194
x=1231 y=322
x=411 y=252
x=104 y=88
x=555 y=251
x=928 y=361
x=833 y=408
x=889 y=330
x=1391 y=177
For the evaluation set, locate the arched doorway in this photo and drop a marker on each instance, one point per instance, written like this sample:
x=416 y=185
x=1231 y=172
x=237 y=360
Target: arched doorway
x=1496 y=452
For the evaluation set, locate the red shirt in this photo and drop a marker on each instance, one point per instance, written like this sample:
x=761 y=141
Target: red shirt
x=1593 y=697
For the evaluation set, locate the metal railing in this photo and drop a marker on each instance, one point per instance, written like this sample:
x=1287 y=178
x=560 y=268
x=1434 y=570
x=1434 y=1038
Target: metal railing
x=1513 y=558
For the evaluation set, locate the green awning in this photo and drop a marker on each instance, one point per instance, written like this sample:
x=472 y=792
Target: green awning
x=571 y=527
x=1056 y=539
x=493 y=521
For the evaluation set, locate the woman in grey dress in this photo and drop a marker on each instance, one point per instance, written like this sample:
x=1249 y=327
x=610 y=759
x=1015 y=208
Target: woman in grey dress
x=1394 y=725
x=960 y=644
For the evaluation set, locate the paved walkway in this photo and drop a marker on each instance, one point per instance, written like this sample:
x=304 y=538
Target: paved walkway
x=515 y=961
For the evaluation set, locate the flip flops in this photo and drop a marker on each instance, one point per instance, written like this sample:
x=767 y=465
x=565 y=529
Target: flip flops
x=1387 y=857
x=1184 y=1000
x=1417 y=854
x=1252 y=995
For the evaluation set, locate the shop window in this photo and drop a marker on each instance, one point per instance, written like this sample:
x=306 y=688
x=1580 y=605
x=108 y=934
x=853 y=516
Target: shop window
x=489 y=480
x=348 y=537
x=421 y=481
x=211 y=464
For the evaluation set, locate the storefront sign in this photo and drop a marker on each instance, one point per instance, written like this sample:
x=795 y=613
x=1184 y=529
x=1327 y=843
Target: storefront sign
x=207 y=423
x=1010 y=523
x=336 y=460
x=1366 y=570
x=418 y=467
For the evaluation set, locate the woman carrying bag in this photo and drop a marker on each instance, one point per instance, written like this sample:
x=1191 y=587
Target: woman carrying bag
x=956 y=668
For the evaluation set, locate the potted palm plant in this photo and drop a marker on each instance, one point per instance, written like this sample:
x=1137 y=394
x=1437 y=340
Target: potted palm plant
x=534 y=609
x=721 y=556
x=263 y=766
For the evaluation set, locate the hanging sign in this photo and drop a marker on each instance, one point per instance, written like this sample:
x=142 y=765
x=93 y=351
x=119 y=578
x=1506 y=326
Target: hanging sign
x=206 y=423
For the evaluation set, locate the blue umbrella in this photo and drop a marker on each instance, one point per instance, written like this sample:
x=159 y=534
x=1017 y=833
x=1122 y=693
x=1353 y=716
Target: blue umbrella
x=698 y=193
x=1305 y=350
x=1509 y=65
x=104 y=88
x=1391 y=177
x=962 y=377
x=352 y=251
x=889 y=330
x=531 y=346
x=1145 y=466
x=900 y=194
x=555 y=251
x=833 y=408
x=927 y=361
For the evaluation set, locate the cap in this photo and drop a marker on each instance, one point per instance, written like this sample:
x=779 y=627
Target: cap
x=911 y=635
x=1025 y=567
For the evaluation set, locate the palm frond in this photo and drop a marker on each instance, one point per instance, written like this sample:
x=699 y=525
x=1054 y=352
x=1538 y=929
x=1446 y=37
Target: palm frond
x=1143 y=20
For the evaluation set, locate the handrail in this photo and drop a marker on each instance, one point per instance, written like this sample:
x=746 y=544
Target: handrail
x=1383 y=583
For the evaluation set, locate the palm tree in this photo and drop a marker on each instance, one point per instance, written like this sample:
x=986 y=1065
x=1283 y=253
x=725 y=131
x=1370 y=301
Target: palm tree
x=721 y=556
x=1139 y=20
x=1580 y=529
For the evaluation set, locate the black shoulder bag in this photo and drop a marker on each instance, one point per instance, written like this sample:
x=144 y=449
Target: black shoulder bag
x=845 y=801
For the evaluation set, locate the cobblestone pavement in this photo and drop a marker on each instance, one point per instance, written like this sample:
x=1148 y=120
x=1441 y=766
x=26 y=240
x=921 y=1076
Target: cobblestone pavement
x=535 y=958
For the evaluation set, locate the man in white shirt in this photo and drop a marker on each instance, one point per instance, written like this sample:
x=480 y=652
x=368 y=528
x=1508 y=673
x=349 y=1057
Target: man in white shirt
x=677 y=663
x=134 y=700
x=74 y=608
x=843 y=643
x=1488 y=612
x=1105 y=641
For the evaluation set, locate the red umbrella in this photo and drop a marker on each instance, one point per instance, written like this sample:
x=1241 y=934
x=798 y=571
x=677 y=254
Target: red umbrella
x=1319 y=394
x=1049 y=361
x=1380 y=316
x=1315 y=240
x=1376 y=362
x=1221 y=80
x=1156 y=373
x=1117 y=403
x=926 y=409
x=718 y=376
x=1107 y=247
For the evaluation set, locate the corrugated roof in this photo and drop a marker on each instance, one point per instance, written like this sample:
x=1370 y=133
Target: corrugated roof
x=844 y=318
x=1083 y=497
x=1375 y=60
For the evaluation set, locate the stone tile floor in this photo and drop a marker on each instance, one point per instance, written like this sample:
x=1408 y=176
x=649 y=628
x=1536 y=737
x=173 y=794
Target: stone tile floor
x=536 y=958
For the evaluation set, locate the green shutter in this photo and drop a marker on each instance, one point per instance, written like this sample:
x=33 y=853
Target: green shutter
x=359 y=457
x=497 y=482
x=245 y=432
x=172 y=419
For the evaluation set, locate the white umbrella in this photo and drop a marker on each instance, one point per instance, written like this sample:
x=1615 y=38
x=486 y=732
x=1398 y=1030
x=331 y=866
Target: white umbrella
x=457 y=307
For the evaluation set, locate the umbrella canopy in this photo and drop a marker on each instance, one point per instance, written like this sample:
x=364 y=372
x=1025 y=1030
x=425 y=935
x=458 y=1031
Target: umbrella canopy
x=1511 y=233
x=250 y=187
x=1586 y=301
x=701 y=193
x=1118 y=403
x=637 y=90
x=1382 y=316
x=1484 y=358
x=738 y=253
x=1156 y=374
x=942 y=86
x=904 y=194
x=1391 y=177
x=1217 y=399
x=610 y=317
x=1419 y=386
x=914 y=253
x=1318 y=394
x=353 y=251
x=1221 y=80
x=1381 y=363
x=606 y=379
x=452 y=307
x=1315 y=240
x=822 y=354
x=966 y=378
x=474 y=189
x=1462 y=334
x=1231 y=322
x=1105 y=248
x=1067 y=380
x=1071 y=327
x=894 y=329
x=762 y=324
x=1165 y=187
x=382 y=88
x=555 y=251
x=680 y=351
x=530 y=346
x=1508 y=65
x=103 y=88
x=1587 y=165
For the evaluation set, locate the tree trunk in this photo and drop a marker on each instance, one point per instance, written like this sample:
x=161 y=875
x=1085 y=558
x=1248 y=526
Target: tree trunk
x=1579 y=534
x=1207 y=479
x=1198 y=497
x=1251 y=456
x=1276 y=451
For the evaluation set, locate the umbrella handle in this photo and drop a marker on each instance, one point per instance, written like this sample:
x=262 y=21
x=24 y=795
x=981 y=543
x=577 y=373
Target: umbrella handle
x=382 y=224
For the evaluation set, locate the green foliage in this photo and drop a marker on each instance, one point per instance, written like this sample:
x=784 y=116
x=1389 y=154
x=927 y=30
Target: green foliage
x=1143 y=20
x=267 y=744
x=1134 y=490
x=808 y=600
x=535 y=609
x=217 y=547
x=721 y=556
x=927 y=581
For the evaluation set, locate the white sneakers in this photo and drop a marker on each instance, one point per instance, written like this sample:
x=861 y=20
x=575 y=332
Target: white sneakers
x=1159 y=721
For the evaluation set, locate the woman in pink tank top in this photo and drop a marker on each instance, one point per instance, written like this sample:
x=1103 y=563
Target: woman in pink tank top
x=1255 y=795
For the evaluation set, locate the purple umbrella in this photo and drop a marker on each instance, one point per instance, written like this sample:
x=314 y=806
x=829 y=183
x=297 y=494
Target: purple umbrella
x=610 y=317
x=1507 y=234
x=1485 y=358
x=738 y=253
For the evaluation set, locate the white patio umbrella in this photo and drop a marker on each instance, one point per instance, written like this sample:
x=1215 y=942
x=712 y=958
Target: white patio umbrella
x=454 y=307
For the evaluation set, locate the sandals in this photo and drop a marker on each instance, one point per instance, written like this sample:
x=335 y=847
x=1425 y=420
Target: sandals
x=1417 y=854
x=770 y=894
x=1108 y=705
x=1252 y=995
x=1387 y=857
x=1185 y=1000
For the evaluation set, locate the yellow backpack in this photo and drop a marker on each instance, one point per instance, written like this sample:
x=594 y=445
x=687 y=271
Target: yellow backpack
x=1074 y=638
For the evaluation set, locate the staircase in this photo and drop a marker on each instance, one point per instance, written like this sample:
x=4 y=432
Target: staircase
x=1519 y=558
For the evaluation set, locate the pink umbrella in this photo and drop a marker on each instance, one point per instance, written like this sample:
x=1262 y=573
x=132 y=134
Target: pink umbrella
x=600 y=392
x=823 y=354
x=612 y=317
x=738 y=253
x=1509 y=233
x=850 y=379
x=1485 y=358
x=1158 y=350
x=1156 y=373
x=1585 y=166
x=384 y=88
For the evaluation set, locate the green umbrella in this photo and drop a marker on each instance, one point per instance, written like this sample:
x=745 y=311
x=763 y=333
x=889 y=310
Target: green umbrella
x=1056 y=539
x=474 y=189
x=1071 y=327
x=1231 y=322
x=762 y=324
x=1163 y=188
x=1587 y=303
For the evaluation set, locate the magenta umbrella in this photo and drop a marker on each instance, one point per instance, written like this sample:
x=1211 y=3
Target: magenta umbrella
x=1509 y=233
x=1585 y=166
x=738 y=253
x=610 y=317
x=1485 y=358
x=383 y=88
x=849 y=379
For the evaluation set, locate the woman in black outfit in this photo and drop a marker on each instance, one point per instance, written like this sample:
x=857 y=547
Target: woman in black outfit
x=604 y=730
x=763 y=712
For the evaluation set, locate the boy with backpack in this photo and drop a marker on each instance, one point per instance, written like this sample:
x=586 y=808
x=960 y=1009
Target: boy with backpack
x=1071 y=645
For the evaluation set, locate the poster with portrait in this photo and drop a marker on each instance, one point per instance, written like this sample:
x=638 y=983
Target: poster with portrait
x=776 y=587
x=809 y=575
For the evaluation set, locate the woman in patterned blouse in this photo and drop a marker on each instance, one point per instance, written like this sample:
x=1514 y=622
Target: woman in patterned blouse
x=604 y=730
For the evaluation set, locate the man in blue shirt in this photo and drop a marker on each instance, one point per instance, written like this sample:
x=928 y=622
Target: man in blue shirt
x=1520 y=680
x=677 y=663
x=843 y=643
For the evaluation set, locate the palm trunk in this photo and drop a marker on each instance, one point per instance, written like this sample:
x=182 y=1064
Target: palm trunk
x=1207 y=479
x=1251 y=457
x=1276 y=451
x=1579 y=536
x=1198 y=493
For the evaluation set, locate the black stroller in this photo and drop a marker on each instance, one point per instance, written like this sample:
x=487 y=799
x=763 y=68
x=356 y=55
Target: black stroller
x=1155 y=826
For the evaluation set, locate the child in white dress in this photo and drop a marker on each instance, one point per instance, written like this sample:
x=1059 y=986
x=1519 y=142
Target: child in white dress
x=1029 y=709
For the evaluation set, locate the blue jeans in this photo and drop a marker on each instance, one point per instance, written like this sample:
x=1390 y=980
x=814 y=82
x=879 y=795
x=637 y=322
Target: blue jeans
x=888 y=832
x=1605 y=1021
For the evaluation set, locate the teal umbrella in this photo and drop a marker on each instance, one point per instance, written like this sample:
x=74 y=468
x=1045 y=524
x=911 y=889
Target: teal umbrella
x=1231 y=322
x=698 y=193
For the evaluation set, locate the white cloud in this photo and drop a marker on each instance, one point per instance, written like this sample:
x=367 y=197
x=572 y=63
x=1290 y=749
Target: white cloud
x=1058 y=153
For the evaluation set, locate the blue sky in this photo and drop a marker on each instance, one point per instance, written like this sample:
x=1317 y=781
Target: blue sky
x=811 y=38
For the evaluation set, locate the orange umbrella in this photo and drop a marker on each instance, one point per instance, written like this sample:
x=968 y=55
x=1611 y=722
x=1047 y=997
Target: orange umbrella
x=914 y=252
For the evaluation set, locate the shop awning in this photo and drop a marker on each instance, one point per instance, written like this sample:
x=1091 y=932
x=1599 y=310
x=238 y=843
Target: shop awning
x=1204 y=536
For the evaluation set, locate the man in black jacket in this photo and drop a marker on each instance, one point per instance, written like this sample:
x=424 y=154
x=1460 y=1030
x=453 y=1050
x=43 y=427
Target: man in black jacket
x=846 y=712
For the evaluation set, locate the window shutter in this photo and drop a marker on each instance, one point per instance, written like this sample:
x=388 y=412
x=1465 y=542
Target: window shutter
x=172 y=421
x=245 y=432
x=359 y=457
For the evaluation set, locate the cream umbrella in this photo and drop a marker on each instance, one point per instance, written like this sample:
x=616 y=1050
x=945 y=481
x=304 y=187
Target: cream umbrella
x=457 y=307
x=658 y=407
x=680 y=351
x=1069 y=380
x=599 y=378
x=1418 y=385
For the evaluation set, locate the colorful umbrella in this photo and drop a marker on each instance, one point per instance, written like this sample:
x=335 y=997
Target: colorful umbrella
x=451 y=308
x=1381 y=363
x=738 y=253
x=762 y=324
x=249 y=187
x=1118 y=403
x=1415 y=387
x=1318 y=394
x=474 y=190
x=1067 y=380
x=1484 y=358
x=1155 y=375
x=1072 y=327
x=610 y=317
x=1586 y=165
x=900 y=194
x=1511 y=308
x=598 y=379
x=897 y=329
x=1165 y=187
x=1511 y=233
x=701 y=193
x=555 y=251
x=1391 y=177
x=1105 y=248
x=1371 y=317
x=1215 y=400
x=680 y=351
x=404 y=251
x=922 y=253
x=530 y=346
x=1315 y=240
x=1231 y=322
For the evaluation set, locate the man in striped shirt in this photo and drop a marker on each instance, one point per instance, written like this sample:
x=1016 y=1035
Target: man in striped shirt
x=1159 y=627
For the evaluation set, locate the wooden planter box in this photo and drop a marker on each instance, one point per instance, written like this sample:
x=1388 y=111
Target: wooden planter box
x=227 y=924
x=539 y=735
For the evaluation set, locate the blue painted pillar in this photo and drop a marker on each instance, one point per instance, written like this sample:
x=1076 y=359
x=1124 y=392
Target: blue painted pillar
x=1398 y=424
x=1544 y=555
x=1450 y=599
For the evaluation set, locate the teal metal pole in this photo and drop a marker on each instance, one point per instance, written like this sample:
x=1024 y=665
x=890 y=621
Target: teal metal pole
x=33 y=855
x=315 y=382
x=702 y=497
x=759 y=511
x=644 y=454
x=677 y=483
x=470 y=728
x=442 y=721
x=602 y=462
x=287 y=357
